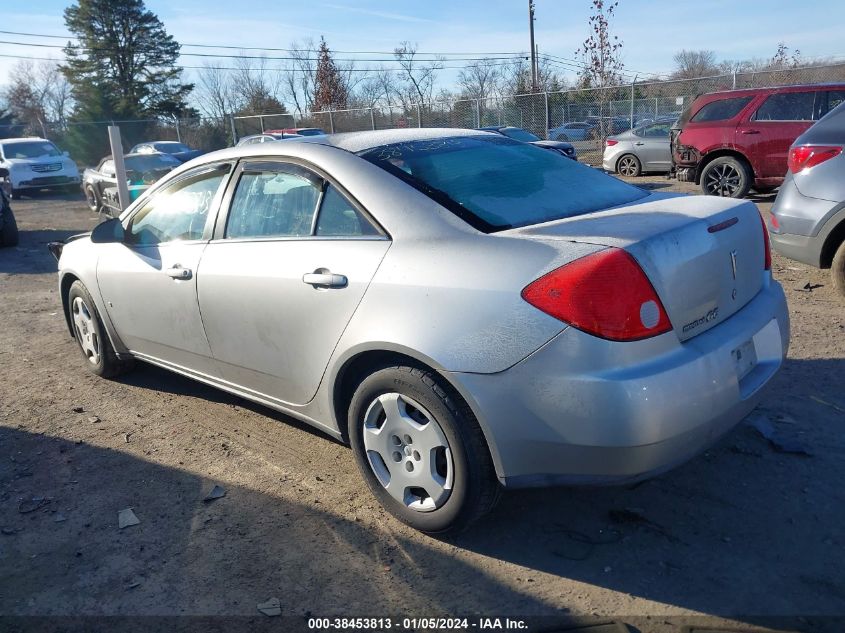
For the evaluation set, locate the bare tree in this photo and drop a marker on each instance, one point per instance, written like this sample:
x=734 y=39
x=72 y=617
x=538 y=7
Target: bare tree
x=691 y=64
x=257 y=87
x=783 y=59
x=480 y=80
x=600 y=52
x=300 y=77
x=214 y=93
x=38 y=94
x=418 y=76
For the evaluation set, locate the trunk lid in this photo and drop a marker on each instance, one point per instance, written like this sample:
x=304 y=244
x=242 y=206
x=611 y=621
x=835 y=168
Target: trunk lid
x=704 y=255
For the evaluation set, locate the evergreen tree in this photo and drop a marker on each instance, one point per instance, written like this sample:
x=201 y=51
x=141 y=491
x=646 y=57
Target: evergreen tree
x=122 y=66
x=330 y=90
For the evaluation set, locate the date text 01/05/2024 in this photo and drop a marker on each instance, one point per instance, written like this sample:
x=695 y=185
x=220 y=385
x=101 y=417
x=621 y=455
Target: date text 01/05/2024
x=412 y=624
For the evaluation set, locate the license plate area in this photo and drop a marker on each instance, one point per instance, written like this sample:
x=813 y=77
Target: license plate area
x=745 y=358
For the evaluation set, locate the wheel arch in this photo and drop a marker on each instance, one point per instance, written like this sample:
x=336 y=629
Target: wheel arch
x=64 y=291
x=359 y=364
x=719 y=153
x=831 y=243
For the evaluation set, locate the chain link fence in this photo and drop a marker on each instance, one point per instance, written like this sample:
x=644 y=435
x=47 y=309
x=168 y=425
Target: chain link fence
x=584 y=117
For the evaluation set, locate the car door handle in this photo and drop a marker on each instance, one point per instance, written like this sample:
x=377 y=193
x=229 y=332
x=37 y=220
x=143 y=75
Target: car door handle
x=325 y=280
x=749 y=131
x=177 y=272
x=639 y=143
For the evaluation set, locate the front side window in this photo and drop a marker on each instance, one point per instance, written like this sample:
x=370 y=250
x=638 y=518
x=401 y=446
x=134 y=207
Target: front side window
x=108 y=168
x=177 y=212
x=721 y=110
x=273 y=202
x=495 y=183
x=787 y=106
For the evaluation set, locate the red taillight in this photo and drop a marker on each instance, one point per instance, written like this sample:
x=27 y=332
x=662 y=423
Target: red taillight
x=611 y=142
x=806 y=156
x=606 y=294
x=767 y=262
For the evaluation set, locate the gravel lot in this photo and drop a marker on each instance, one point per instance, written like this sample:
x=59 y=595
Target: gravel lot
x=742 y=531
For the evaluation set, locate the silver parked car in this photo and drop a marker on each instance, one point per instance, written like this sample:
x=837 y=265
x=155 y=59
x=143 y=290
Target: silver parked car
x=808 y=216
x=639 y=150
x=467 y=311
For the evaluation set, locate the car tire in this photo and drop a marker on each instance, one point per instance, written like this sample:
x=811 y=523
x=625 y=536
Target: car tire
x=726 y=176
x=629 y=165
x=837 y=270
x=9 y=233
x=456 y=465
x=90 y=335
x=91 y=198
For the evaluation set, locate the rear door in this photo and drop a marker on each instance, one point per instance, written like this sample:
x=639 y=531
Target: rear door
x=289 y=265
x=766 y=136
x=653 y=147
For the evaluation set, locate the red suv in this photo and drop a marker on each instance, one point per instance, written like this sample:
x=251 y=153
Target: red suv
x=729 y=142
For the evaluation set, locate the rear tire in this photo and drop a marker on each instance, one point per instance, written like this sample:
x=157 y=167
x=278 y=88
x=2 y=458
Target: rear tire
x=837 y=270
x=436 y=490
x=90 y=335
x=9 y=233
x=629 y=165
x=727 y=177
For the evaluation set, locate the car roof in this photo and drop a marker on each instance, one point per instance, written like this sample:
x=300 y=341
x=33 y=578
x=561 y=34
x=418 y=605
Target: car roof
x=360 y=141
x=742 y=92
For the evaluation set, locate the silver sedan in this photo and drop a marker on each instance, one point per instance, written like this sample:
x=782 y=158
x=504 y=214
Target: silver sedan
x=643 y=149
x=468 y=312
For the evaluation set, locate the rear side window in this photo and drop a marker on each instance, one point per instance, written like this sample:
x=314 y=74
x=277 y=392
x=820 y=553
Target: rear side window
x=721 y=110
x=495 y=183
x=787 y=106
x=834 y=98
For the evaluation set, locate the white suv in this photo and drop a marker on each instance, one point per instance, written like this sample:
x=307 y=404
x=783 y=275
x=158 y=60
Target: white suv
x=35 y=163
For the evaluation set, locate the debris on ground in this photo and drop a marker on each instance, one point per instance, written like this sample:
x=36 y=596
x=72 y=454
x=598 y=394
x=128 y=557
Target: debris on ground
x=7 y=531
x=32 y=504
x=807 y=287
x=93 y=419
x=636 y=517
x=779 y=441
x=216 y=493
x=133 y=585
x=272 y=607
x=78 y=409
x=827 y=404
x=126 y=518
x=126 y=437
x=59 y=518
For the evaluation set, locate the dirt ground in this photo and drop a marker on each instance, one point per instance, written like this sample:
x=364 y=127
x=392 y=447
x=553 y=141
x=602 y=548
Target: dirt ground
x=743 y=531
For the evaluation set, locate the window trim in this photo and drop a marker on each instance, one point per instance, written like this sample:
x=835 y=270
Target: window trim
x=299 y=166
x=213 y=209
x=816 y=107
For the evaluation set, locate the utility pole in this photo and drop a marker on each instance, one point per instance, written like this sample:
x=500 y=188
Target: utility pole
x=533 y=48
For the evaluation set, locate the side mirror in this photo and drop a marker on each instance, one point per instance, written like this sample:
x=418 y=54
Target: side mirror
x=108 y=232
x=66 y=154
x=4 y=173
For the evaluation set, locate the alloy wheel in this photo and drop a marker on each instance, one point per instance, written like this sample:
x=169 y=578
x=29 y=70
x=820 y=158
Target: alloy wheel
x=408 y=452
x=86 y=333
x=628 y=166
x=723 y=180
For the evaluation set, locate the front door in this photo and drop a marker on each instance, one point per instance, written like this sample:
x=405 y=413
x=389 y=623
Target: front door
x=278 y=284
x=149 y=282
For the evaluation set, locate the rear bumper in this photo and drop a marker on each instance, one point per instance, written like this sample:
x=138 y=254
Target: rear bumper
x=801 y=248
x=582 y=410
x=804 y=224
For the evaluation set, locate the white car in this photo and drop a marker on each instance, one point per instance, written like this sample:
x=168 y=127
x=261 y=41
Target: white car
x=36 y=163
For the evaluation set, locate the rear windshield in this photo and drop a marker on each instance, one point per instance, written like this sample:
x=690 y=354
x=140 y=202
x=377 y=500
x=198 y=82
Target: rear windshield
x=495 y=183
x=150 y=162
x=721 y=110
x=172 y=148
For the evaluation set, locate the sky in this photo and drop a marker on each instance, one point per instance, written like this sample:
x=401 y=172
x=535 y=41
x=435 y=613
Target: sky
x=651 y=30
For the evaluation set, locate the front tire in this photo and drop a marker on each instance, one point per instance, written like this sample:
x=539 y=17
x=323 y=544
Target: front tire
x=727 y=177
x=91 y=198
x=9 y=233
x=837 y=270
x=90 y=334
x=629 y=165
x=421 y=450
